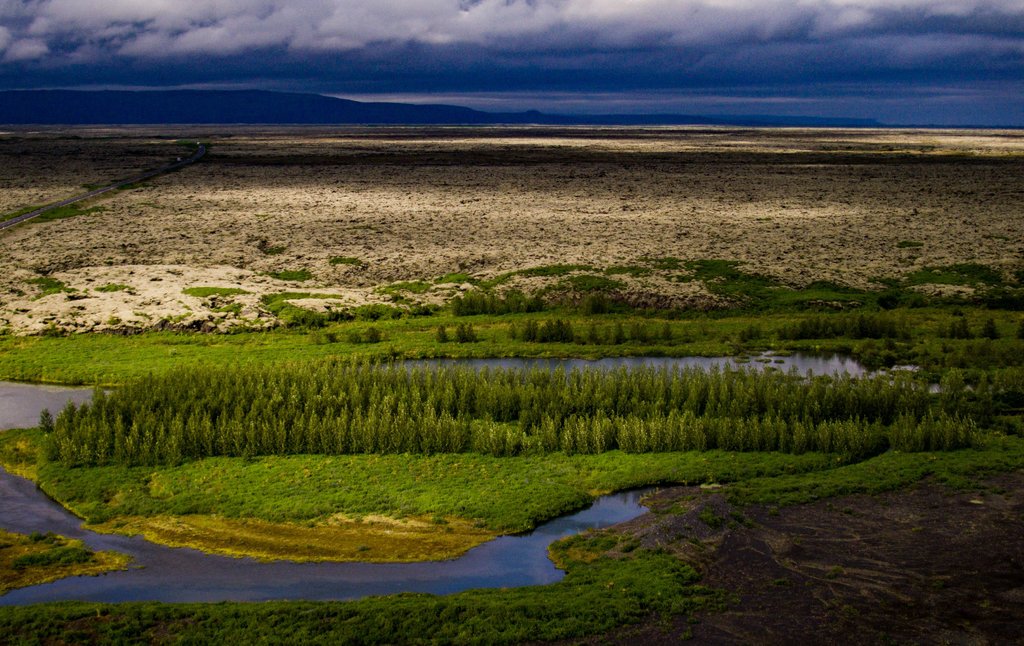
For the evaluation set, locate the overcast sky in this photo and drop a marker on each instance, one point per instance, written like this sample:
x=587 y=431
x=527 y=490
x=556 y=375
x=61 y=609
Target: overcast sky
x=900 y=61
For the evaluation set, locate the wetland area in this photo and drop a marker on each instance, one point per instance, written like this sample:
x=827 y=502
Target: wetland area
x=499 y=385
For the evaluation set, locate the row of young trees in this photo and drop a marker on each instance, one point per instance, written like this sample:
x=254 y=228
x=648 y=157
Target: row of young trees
x=859 y=326
x=340 y=408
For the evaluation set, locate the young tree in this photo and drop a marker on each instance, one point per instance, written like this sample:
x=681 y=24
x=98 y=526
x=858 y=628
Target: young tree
x=989 y=329
x=46 y=421
x=464 y=333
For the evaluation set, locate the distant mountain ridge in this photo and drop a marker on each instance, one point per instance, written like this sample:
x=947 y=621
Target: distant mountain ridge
x=152 y=107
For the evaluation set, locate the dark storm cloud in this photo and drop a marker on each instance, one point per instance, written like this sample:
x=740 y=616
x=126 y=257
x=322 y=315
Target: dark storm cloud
x=434 y=46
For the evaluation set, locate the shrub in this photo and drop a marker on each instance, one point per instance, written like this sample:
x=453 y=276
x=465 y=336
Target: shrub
x=989 y=330
x=346 y=260
x=464 y=333
x=959 y=329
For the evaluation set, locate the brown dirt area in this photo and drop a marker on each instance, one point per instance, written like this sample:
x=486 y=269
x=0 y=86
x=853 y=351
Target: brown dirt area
x=927 y=565
x=415 y=204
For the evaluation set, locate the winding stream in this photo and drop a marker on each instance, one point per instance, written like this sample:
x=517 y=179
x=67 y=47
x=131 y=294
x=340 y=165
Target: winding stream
x=161 y=573
x=178 y=574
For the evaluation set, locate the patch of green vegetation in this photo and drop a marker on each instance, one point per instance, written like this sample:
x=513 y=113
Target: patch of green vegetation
x=48 y=285
x=909 y=244
x=554 y=270
x=346 y=260
x=369 y=335
x=230 y=308
x=292 y=315
x=412 y=287
x=592 y=599
x=64 y=555
x=455 y=277
x=629 y=270
x=708 y=516
x=889 y=471
x=112 y=287
x=63 y=212
x=293 y=275
x=591 y=283
x=40 y=558
x=21 y=211
x=204 y=292
x=376 y=312
x=970 y=274
x=273 y=250
x=748 y=291
x=19 y=451
x=544 y=270
x=723 y=277
x=820 y=294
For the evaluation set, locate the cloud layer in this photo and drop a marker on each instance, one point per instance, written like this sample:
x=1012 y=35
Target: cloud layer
x=482 y=45
x=83 y=29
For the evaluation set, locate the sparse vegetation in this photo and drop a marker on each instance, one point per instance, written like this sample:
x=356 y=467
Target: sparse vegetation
x=40 y=558
x=958 y=274
x=206 y=292
x=346 y=260
x=112 y=287
x=48 y=285
x=293 y=275
x=64 y=212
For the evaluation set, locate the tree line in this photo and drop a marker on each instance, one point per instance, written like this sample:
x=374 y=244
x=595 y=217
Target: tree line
x=336 y=407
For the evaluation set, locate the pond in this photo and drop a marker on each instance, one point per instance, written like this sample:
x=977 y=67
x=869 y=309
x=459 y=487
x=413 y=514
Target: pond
x=20 y=404
x=802 y=363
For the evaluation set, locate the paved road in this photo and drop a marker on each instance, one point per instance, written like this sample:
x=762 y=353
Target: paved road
x=106 y=189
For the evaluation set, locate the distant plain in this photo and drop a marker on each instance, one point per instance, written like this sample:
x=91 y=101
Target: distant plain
x=356 y=216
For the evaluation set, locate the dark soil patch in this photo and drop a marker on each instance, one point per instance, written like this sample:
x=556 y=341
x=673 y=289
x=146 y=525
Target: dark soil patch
x=924 y=566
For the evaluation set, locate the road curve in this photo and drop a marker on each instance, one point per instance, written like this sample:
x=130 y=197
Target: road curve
x=200 y=151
